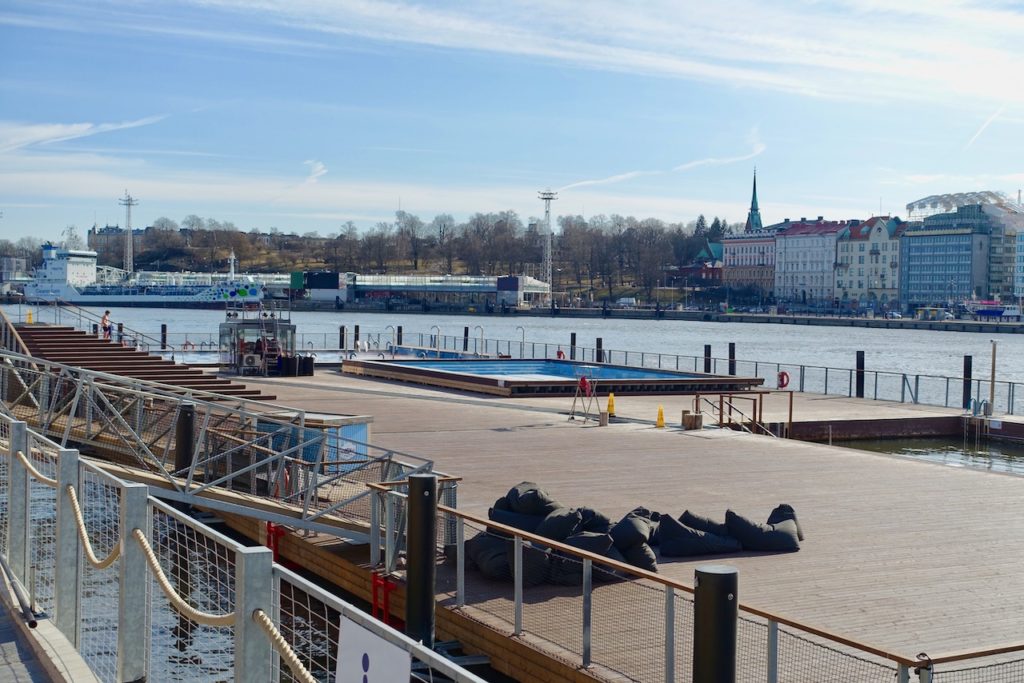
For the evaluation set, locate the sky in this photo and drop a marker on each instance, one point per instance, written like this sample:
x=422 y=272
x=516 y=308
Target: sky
x=301 y=115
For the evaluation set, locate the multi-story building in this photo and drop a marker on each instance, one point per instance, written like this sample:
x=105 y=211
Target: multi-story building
x=805 y=261
x=945 y=259
x=1018 y=270
x=748 y=258
x=867 y=264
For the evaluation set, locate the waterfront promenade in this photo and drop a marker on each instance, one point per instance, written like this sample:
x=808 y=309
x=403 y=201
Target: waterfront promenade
x=900 y=554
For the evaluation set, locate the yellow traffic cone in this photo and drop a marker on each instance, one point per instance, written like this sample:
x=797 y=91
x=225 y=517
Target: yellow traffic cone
x=660 y=424
x=29 y=319
x=611 y=405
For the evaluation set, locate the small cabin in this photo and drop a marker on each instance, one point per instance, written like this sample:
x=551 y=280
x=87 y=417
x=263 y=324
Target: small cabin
x=257 y=340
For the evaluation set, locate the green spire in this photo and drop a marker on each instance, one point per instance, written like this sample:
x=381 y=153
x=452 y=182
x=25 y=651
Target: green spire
x=754 y=217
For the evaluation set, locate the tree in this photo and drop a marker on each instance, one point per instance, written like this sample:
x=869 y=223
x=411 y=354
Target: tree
x=165 y=224
x=192 y=222
x=71 y=238
x=443 y=226
x=701 y=227
x=410 y=232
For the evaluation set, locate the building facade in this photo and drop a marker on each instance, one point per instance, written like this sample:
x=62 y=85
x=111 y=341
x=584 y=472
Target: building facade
x=943 y=262
x=867 y=264
x=748 y=259
x=805 y=261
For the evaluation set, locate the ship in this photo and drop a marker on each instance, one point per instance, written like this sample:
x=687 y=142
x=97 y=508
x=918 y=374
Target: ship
x=72 y=276
x=994 y=311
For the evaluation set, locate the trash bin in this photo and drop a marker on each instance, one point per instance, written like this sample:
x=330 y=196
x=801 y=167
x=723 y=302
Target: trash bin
x=291 y=366
x=306 y=363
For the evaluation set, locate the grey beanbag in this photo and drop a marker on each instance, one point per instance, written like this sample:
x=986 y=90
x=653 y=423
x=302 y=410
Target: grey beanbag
x=595 y=521
x=515 y=519
x=777 y=537
x=490 y=554
x=786 y=512
x=704 y=524
x=530 y=499
x=603 y=573
x=560 y=524
x=567 y=570
x=535 y=564
x=631 y=531
x=679 y=540
x=641 y=556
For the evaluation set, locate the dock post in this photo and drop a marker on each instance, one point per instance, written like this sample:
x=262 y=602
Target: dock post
x=968 y=362
x=715 y=616
x=355 y=337
x=465 y=338
x=341 y=338
x=66 y=574
x=184 y=437
x=120 y=333
x=398 y=336
x=95 y=330
x=163 y=336
x=707 y=358
x=860 y=374
x=732 y=358
x=132 y=634
x=421 y=535
x=254 y=581
x=572 y=346
x=599 y=351
x=19 y=499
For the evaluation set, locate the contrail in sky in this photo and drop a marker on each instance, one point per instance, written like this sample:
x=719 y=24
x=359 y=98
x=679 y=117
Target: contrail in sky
x=985 y=125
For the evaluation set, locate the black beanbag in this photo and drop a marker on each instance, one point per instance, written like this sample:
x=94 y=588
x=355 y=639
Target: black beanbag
x=776 y=537
x=641 y=556
x=704 y=524
x=560 y=524
x=679 y=540
x=567 y=570
x=490 y=554
x=595 y=521
x=515 y=519
x=530 y=499
x=786 y=512
x=631 y=531
x=535 y=564
x=652 y=518
x=603 y=573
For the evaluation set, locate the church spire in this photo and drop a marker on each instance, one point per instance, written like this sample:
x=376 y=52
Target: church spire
x=754 y=217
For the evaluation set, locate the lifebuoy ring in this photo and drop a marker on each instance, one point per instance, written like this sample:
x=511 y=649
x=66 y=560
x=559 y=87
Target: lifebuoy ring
x=561 y=354
x=783 y=379
x=585 y=387
x=188 y=345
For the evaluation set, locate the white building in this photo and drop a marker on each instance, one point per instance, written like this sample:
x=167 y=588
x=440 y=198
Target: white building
x=805 y=261
x=867 y=264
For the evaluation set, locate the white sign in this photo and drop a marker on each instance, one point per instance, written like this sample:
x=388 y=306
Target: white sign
x=365 y=657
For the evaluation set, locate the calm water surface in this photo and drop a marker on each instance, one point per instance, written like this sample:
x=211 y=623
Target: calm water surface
x=996 y=456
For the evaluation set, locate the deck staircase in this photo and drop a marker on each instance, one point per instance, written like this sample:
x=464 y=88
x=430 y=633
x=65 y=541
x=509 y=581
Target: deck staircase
x=61 y=344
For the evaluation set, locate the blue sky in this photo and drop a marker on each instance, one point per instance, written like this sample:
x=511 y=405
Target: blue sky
x=303 y=114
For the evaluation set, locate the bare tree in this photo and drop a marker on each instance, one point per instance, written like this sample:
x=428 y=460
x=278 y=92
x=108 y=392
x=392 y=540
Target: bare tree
x=411 y=233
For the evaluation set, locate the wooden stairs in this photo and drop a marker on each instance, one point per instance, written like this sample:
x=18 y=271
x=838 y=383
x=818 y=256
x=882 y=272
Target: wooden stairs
x=69 y=346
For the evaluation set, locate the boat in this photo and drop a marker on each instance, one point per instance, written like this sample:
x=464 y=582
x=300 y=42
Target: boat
x=994 y=311
x=72 y=276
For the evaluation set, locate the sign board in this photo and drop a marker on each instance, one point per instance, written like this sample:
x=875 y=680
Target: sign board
x=365 y=657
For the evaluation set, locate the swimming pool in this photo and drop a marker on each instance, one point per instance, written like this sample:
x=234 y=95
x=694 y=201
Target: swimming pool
x=515 y=377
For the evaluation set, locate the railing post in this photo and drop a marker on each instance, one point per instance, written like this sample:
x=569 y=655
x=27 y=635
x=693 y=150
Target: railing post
x=389 y=531
x=802 y=373
x=67 y=579
x=374 y=527
x=19 y=517
x=917 y=387
x=670 y=634
x=163 y=336
x=773 y=651
x=460 y=562
x=903 y=674
x=517 y=578
x=254 y=579
x=588 y=576
x=132 y=636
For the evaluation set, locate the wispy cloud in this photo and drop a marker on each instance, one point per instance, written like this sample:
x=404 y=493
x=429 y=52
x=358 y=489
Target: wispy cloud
x=995 y=115
x=609 y=180
x=316 y=169
x=14 y=135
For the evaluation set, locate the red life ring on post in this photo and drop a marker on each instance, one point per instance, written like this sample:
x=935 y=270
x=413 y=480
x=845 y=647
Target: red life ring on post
x=585 y=387
x=783 y=379
x=560 y=354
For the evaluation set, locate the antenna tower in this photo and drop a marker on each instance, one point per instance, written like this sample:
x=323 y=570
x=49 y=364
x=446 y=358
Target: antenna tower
x=129 y=243
x=547 y=196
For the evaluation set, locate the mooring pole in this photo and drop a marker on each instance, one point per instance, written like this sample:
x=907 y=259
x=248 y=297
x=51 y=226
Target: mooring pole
x=732 y=358
x=599 y=352
x=355 y=337
x=341 y=338
x=421 y=534
x=715 y=614
x=992 y=385
x=163 y=336
x=860 y=374
x=465 y=338
x=968 y=363
x=707 y=358
x=572 y=346
x=398 y=336
x=184 y=437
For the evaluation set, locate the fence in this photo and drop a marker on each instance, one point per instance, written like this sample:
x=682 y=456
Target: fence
x=145 y=592
x=618 y=621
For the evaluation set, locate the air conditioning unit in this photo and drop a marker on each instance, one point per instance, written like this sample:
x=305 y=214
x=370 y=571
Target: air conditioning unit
x=251 y=360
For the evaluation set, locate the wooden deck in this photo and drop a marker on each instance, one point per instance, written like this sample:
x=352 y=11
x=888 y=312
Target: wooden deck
x=903 y=555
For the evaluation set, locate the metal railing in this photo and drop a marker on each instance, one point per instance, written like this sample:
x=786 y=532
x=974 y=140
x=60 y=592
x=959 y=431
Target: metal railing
x=145 y=592
x=65 y=313
x=620 y=622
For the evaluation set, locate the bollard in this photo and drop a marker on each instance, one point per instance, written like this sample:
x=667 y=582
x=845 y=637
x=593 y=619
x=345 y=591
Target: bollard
x=599 y=353
x=611 y=405
x=163 y=336
x=572 y=346
x=355 y=337
x=120 y=333
x=860 y=374
x=732 y=358
x=398 y=336
x=715 y=613
x=660 y=422
x=968 y=362
x=341 y=338
x=602 y=419
x=707 y=358
x=184 y=437
x=465 y=338
x=421 y=535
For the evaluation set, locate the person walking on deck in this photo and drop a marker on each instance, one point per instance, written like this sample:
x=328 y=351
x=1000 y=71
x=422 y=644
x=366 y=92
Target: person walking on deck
x=105 y=324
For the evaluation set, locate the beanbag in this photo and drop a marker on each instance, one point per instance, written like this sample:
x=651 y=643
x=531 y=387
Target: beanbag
x=595 y=521
x=603 y=573
x=501 y=504
x=530 y=499
x=754 y=536
x=630 y=532
x=652 y=519
x=785 y=512
x=535 y=564
x=490 y=555
x=679 y=540
x=641 y=556
x=704 y=524
x=515 y=519
x=567 y=570
x=560 y=524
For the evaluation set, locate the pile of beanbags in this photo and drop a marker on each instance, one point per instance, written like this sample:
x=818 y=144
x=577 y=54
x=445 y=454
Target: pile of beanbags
x=530 y=508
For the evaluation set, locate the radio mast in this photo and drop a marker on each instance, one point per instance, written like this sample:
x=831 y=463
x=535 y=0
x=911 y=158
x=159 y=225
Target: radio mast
x=548 y=196
x=129 y=243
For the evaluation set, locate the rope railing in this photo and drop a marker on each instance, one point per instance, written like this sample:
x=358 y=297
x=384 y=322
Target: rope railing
x=39 y=476
x=282 y=647
x=83 y=534
x=179 y=604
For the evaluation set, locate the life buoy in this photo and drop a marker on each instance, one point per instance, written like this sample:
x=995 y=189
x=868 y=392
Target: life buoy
x=585 y=387
x=188 y=345
x=783 y=379
x=561 y=354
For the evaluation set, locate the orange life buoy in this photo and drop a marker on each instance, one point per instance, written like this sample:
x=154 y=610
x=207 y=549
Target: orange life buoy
x=585 y=388
x=783 y=379
x=561 y=354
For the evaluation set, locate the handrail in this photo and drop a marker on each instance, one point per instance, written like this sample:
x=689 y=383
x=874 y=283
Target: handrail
x=11 y=330
x=92 y=317
x=676 y=585
x=732 y=408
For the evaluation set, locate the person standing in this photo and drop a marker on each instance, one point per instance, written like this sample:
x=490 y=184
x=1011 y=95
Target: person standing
x=105 y=324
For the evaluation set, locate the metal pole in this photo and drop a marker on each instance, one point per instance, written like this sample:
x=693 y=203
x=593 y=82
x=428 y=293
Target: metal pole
x=707 y=358
x=421 y=535
x=860 y=374
x=992 y=387
x=968 y=362
x=465 y=338
x=66 y=579
x=19 y=519
x=599 y=353
x=132 y=634
x=341 y=338
x=163 y=336
x=184 y=437
x=572 y=346
x=715 y=615
x=254 y=580
x=398 y=336
x=355 y=337
x=732 y=358
x=670 y=635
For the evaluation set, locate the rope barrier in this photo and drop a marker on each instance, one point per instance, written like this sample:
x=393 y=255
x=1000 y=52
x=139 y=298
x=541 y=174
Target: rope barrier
x=202 y=618
x=39 y=476
x=84 y=535
x=283 y=648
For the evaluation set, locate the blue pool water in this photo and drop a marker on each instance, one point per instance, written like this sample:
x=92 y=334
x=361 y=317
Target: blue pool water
x=541 y=369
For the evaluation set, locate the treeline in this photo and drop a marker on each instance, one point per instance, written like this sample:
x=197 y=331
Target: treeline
x=600 y=252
